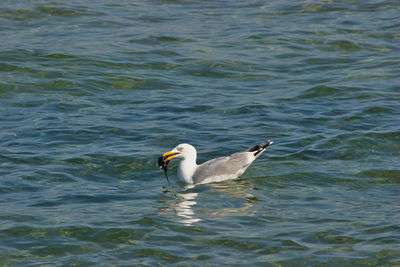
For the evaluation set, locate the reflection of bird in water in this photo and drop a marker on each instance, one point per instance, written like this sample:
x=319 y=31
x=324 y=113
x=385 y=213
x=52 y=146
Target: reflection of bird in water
x=228 y=199
x=214 y=170
x=182 y=205
x=184 y=208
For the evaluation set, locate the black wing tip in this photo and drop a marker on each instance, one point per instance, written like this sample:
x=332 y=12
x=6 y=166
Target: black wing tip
x=257 y=149
x=266 y=144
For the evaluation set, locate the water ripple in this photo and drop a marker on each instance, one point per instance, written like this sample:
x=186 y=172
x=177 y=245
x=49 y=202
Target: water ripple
x=91 y=94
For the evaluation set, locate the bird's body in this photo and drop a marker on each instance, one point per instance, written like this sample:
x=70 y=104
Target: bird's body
x=214 y=170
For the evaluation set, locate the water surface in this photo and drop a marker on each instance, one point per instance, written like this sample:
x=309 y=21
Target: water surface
x=91 y=93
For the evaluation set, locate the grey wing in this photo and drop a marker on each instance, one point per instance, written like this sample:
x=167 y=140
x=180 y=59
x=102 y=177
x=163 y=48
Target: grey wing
x=225 y=166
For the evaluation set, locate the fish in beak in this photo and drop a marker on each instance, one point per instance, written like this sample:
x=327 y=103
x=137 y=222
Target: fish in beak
x=164 y=160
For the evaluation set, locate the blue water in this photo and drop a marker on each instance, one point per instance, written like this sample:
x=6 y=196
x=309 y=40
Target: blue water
x=93 y=92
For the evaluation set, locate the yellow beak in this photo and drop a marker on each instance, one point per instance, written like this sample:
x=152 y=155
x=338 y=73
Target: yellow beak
x=170 y=155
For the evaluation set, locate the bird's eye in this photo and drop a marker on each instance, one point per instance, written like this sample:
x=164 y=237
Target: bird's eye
x=180 y=148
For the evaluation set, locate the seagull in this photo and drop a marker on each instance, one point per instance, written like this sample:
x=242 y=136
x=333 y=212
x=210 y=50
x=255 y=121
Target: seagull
x=215 y=170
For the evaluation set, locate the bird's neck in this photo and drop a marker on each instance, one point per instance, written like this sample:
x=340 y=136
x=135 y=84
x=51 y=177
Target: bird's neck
x=186 y=169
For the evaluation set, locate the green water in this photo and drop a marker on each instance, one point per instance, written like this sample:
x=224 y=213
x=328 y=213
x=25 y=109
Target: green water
x=93 y=92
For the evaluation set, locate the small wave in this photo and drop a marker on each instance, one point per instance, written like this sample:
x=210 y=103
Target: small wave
x=320 y=91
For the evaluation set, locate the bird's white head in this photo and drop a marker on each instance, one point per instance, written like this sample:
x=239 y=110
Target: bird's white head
x=183 y=151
